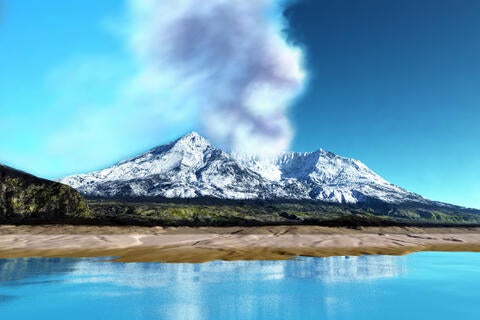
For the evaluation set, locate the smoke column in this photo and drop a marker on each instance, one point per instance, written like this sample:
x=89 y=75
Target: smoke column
x=226 y=60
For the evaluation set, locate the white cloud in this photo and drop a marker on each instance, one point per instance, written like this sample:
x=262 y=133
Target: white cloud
x=220 y=67
x=227 y=59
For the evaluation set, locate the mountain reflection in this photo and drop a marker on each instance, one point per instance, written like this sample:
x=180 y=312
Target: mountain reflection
x=249 y=288
x=332 y=269
x=341 y=269
x=26 y=268
x=367 y=287
x=213 y=290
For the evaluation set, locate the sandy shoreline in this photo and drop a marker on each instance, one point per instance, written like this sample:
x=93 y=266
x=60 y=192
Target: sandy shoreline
x=137 y=244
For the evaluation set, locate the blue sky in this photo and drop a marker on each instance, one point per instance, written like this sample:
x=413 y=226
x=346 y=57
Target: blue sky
x=392 y=83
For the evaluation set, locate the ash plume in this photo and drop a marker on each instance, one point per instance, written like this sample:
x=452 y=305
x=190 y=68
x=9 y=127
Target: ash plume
x=227 y=61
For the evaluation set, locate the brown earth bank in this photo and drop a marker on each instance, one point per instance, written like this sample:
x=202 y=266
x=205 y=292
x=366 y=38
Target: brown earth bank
x=184 y=244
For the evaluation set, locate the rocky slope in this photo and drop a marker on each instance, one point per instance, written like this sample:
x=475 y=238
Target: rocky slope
x=24 y=197
x=192 y=167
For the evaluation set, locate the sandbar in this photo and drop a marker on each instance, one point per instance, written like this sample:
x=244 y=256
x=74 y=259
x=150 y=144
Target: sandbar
x=195 y=245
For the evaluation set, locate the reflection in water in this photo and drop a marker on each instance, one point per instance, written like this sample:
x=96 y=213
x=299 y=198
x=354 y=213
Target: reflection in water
x=342 y=269
x=213 y=290
x=367 y=287
x=22 y=268
x=332 y=269
x=5 y=298
x=190 y=286
x=141 y=275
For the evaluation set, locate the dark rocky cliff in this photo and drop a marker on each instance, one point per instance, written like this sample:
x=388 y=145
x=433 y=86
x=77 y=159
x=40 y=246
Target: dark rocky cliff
x=26 y=198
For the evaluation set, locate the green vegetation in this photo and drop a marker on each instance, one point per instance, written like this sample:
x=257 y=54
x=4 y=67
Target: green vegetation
x=25 y=198
x=214 y=212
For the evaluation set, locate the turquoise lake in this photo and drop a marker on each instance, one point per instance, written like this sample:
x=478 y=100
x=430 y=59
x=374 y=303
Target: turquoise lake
x=427 y=285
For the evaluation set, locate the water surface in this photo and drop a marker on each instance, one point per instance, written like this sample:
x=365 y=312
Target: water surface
x=428 y=285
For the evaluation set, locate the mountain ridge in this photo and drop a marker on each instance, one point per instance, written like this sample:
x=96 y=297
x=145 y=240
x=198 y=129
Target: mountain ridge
x=192 y=167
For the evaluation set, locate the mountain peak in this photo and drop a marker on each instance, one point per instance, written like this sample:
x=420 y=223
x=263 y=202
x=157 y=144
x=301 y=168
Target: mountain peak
x=191 y=167
x=193 y=135
x=191 y=141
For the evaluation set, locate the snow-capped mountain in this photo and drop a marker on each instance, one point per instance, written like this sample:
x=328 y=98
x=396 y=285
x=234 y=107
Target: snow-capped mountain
x=192 y=167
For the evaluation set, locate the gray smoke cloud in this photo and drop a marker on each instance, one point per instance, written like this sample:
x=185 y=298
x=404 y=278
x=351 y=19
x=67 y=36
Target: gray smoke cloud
x=226 y=61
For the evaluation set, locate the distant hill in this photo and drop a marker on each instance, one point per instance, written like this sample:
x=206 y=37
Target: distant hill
x=26 y=198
